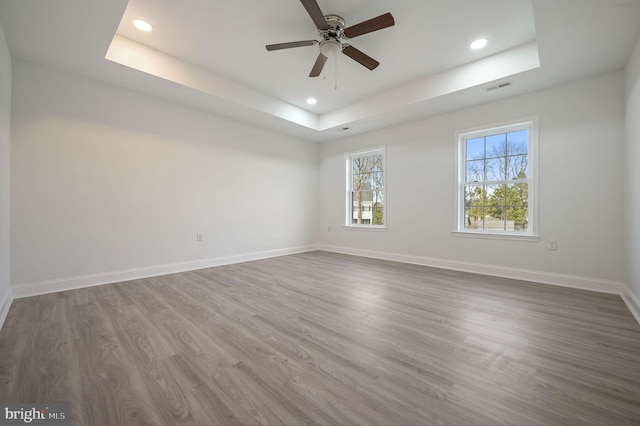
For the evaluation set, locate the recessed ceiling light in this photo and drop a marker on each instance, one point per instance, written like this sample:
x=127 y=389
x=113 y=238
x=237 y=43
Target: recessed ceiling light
x=143 y=25
x=479 y=43
x=312 y=101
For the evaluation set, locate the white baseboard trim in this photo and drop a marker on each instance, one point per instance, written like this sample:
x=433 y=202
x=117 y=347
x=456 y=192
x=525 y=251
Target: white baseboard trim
x=632 y=301
x=5 y=304
x=72 y=283
x=577 y=282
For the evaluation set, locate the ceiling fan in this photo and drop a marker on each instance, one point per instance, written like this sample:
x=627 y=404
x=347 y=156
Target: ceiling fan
x=333 y=35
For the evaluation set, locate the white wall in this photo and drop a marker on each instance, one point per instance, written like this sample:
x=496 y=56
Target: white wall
x=5 y=177
x=632 y=176
x=107 y=180
x=581 y=158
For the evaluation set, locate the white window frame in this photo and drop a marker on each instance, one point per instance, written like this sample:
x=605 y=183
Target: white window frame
x=349 y=188
x=531 y=234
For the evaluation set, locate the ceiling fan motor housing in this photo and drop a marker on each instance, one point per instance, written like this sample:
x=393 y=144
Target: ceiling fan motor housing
x=335 y=23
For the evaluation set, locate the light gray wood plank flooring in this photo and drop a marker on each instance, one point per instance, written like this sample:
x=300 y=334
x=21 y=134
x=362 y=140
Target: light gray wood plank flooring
x=325 y=339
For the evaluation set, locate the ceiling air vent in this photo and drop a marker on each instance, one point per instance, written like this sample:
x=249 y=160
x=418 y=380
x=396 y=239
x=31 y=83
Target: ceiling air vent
x=498 y=86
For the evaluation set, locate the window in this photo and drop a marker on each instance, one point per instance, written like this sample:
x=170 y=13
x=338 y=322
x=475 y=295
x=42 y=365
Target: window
x=365 y=189
x=496 y=180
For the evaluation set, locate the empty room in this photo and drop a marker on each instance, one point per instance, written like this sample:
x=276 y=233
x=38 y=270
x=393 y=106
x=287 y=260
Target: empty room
x=323 y=212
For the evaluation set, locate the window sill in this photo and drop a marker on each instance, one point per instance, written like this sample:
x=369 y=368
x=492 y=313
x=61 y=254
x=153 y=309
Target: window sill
x=497 y=236
x=364 y=228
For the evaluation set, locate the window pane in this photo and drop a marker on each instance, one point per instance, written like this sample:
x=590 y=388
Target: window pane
x=361 y=207
x=474 y=218
x=495 y=211
x=368 y=181
x=496 y=145
x=367 y=169
x=517 y=167
x=362 y=181
x=378 y=163
x=496 y=168
x=518 y=205
x=495 y=221
x=362 y=165
x=474 y=196
x=517 y=218
x=496 y=202
x=474 y=202
x=378 y=214
x=358 y=165
x=378 y=197
x=474 y=148
x=376 y=180
x=475 y=171
x=357 y=183
x=518 y=142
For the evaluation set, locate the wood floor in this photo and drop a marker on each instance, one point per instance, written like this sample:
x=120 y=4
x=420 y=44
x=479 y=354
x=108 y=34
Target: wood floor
x=325 y=339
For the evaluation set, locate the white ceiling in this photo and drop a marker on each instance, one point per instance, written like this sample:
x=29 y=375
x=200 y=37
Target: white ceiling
x=210 y=54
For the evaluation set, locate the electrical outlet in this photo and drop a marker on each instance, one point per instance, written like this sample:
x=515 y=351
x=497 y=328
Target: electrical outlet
x=198 y=236
x=552 y=245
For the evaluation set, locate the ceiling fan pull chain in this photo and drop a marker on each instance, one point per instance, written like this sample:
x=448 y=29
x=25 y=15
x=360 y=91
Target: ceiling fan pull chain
x=336 y=74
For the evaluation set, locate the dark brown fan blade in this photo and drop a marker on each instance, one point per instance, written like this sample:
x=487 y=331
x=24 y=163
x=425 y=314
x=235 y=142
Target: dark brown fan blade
x=317 y=67
x=291 y=44
x=360 y=57
x=373 y=24
x=316 y=14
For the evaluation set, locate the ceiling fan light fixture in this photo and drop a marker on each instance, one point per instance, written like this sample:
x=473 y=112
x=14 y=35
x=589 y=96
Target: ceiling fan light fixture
x=330 y=48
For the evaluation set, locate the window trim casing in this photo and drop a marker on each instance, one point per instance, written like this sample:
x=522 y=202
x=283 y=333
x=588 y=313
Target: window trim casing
x=532 y=125
x=348 y=156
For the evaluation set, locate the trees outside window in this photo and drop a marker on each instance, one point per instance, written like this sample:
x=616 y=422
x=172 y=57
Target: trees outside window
x=366 y=188
x=496 y=179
